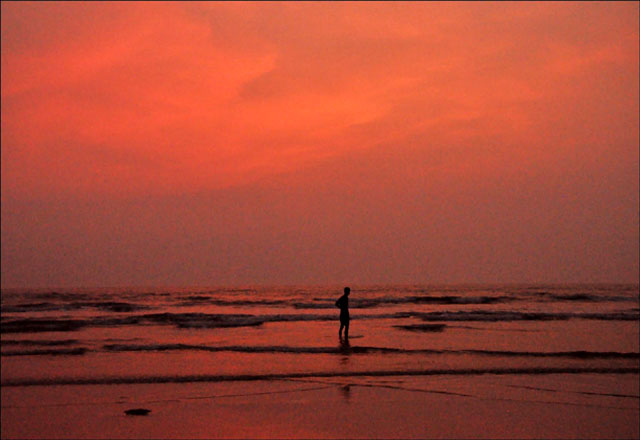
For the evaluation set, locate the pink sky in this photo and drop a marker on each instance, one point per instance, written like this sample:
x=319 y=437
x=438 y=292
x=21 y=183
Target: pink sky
x=279 y=143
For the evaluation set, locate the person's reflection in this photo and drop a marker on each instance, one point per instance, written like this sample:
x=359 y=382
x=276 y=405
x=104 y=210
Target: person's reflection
x=346 y=392
x=345 y=350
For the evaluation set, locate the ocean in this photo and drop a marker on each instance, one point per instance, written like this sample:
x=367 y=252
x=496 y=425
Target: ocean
x=183 y=335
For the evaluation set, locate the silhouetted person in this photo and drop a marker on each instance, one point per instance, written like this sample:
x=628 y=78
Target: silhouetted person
x=343 y=305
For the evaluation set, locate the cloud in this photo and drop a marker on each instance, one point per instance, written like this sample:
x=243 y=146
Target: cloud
x=223 y=93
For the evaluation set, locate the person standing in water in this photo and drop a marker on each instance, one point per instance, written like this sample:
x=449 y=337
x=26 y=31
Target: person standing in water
x=343 y=305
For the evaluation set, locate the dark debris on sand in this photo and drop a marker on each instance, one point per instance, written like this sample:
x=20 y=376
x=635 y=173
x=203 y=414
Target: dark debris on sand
x=137 y=412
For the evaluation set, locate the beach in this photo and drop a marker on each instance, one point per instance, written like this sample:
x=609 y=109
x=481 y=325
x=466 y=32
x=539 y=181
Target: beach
x=401 y=407
x=257 y=362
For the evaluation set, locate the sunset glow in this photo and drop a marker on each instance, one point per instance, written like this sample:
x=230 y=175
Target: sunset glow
x=216 y=143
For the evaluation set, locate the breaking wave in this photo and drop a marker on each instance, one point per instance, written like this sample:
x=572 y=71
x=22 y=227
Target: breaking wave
x=285 y=349
x=40 y=343
x=108 y=306
x=46 y=352
x=493 y=316
x=206 y=299
x=389 y=300
x=217 y=320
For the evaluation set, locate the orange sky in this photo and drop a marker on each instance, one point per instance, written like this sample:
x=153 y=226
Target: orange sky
x=218 y=143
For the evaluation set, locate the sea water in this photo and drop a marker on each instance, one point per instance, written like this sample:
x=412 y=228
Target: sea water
x=173 y=335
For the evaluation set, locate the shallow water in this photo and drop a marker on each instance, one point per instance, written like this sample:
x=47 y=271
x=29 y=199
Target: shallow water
x=112 y=336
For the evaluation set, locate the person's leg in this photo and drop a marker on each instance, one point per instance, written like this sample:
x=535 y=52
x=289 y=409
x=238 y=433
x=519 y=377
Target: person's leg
x=346 y=330
x=341 y=327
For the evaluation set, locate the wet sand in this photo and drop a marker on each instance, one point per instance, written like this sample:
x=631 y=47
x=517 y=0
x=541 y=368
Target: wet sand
x=486 y=406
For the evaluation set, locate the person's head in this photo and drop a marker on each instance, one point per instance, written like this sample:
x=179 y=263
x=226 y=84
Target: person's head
x=347 y=291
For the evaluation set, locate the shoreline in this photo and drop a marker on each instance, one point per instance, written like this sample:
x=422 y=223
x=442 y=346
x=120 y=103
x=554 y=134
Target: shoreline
x=132 y=380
